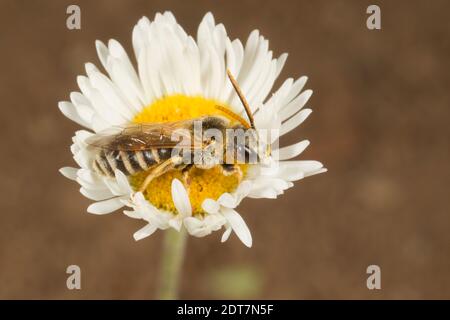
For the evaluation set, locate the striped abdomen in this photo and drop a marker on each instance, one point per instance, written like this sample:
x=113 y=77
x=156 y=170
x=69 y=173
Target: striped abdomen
x=129 y=162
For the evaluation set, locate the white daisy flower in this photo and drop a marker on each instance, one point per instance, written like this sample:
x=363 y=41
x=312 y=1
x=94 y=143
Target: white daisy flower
x=180 y=78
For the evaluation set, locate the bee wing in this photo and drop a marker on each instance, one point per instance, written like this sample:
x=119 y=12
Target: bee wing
x=144 y=136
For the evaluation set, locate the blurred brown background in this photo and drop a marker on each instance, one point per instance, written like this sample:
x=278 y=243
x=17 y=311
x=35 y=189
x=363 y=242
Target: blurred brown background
x=380 y=124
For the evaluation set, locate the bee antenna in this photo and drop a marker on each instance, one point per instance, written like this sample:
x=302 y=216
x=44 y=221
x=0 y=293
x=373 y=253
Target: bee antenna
x=234 y=116
x=242 y=98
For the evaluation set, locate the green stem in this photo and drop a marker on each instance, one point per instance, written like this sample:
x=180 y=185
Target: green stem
x=171 y=263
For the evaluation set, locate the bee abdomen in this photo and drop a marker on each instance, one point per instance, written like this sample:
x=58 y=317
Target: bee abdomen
x=116 y=162
x=102 y=165
x=164 y=153
x=139 y=157
x=150 y=157
x=128 y=162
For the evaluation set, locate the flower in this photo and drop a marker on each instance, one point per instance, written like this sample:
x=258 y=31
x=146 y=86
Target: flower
x=177 y=78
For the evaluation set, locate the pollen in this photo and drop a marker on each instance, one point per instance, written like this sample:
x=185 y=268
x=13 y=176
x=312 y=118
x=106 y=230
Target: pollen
x=203 y=184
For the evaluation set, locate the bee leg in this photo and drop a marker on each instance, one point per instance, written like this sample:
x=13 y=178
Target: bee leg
x=232 y=169
x=159 y=170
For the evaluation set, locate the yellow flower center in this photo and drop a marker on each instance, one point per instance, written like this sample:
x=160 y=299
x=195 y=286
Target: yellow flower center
x=203 y=184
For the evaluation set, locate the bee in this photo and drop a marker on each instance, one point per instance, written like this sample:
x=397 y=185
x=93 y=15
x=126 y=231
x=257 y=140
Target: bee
x=157 y=148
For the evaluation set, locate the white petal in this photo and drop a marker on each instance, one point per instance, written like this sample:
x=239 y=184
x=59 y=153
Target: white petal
x=139 y=198
x=196 y=227
x=175 y=223
x=295 y=105
x=99 y=123
x=102 y=52
x=70 y=111
x=144 y=232
x=103 y=109
x=290 y=151
x=266 y=86
x=96 y=194
x=322 y=170
x=122 y=181
x=129 y=84
x=202 y=227
x=210 y=206
x=79 y=99
x=113 y=186
x=132 y=214
x=264 y=78
x=82 y=159
x=69 y=172
x=226 y=234
x=89 y=176
x=83 y=108
x=278 y=98
x=280 y=63
x=243 y=190
x=110 y=94
x=122 y=73
x=266 y=193
x=91 y=186
x=238 y=224
x=214 y=221
x=291 y=173
x=302 y=165
x=295 y=121
x=294 y=91
x=227 y=200
x=269 y=187
x=140 y=33
x=180 y=198
x=106 y=206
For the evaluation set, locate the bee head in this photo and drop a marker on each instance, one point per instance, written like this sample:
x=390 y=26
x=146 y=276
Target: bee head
x=256 y=149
